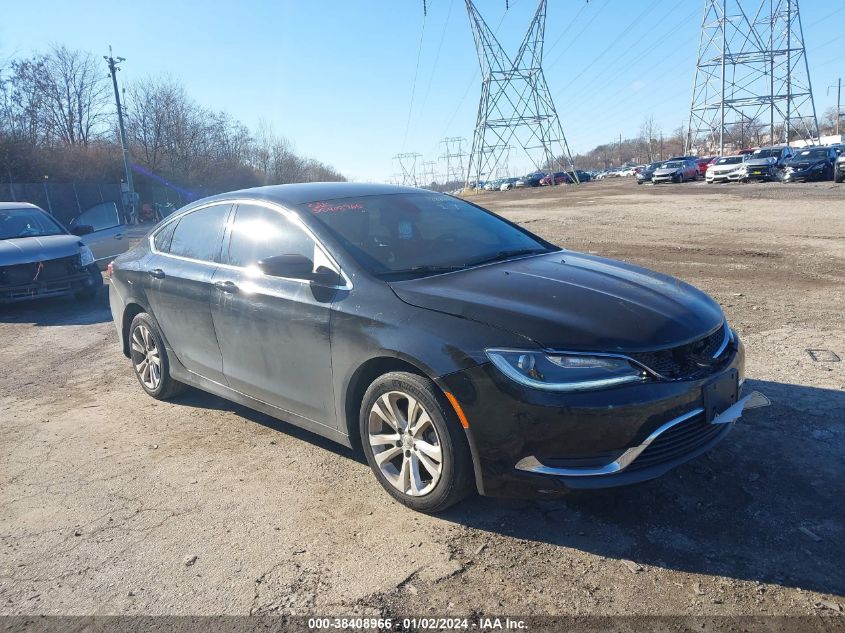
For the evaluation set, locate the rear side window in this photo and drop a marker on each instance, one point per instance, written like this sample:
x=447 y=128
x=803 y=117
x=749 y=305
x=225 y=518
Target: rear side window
x=258 y=233
x=163 y=237
x=198 y=234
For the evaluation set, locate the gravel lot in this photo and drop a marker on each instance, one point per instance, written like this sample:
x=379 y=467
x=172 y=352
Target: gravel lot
x=113 y=503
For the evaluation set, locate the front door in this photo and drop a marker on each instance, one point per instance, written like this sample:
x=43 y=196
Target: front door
x=273 y=332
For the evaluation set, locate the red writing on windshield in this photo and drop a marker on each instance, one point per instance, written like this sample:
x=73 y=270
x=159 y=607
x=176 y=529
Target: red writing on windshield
x=327 y=207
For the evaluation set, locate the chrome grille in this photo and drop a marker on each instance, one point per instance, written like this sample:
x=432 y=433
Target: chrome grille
x=679 y=441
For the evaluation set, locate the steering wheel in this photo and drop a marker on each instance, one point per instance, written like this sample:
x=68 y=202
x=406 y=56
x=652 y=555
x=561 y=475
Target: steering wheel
x=28 y=231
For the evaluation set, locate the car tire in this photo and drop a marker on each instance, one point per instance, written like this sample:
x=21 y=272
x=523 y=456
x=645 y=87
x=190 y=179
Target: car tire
x=90 y=293
x=840 y=177
x=147 y=344
x=680 y=178
x=403 y=454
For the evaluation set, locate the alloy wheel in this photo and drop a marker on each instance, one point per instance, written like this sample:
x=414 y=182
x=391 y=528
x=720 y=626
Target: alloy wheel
x=405 y=443
x=146 y=357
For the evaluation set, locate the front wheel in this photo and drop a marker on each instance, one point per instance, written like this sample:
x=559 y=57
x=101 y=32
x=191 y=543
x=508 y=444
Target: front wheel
x=414 y=443
x=149 y=359
x=89 y=293
x=839 y=177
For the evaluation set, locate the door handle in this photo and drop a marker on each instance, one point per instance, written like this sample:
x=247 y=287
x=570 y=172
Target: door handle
x=158 y=273
x=228 y=287
x=119 y=236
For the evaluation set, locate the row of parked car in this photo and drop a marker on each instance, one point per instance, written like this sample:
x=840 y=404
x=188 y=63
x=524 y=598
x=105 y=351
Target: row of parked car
x=778 y=163
x=536 y=179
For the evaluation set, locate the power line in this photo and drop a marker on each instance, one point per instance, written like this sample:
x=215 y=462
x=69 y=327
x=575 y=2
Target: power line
x=414 y=85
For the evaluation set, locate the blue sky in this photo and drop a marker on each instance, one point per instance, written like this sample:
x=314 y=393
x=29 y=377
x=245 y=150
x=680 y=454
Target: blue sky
x=336 y=77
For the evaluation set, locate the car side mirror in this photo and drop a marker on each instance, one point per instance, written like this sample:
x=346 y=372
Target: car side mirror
x=82 y=229
x=299 y=267
x=293 y=266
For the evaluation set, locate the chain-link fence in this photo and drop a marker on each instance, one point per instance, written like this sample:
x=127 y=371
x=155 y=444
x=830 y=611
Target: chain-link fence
x=67 y=200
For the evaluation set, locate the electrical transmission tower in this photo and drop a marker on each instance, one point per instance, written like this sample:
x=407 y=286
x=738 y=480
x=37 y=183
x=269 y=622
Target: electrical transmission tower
x=454 y=156
x=516 y=107
x=752 y=80
x=408 y=167
x=428 y=173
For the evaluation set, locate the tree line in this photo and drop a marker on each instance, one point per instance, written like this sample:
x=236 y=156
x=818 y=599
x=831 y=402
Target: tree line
x=58 y=121
x=653 y=145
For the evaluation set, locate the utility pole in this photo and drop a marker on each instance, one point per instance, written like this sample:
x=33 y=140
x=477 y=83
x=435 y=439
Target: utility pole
x=130 y=196
x=838 y=103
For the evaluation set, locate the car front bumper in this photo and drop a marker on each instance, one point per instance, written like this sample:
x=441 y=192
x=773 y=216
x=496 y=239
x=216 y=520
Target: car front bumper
x=753 y=173
x=804 y=175
x=58 y=287
x=527 y=442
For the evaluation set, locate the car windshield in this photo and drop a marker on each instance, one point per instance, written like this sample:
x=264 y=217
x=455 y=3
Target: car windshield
x=766 y=153
x=814 y=154
x=421 y=233
x=27 y=223
x=730 y=160
x=654 y=166
x=673 y=164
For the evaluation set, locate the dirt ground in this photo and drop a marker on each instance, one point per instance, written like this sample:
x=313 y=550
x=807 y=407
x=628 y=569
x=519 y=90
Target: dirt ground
x=113 y=503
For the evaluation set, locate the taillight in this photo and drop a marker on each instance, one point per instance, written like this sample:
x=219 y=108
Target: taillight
x=110 y=269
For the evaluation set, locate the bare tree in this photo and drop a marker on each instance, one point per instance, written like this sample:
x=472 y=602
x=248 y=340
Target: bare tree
x=75 y=93
x=649 y=133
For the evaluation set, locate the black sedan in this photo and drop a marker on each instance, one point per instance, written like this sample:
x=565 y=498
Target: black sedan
x=647 y=172
x=813 y=163
x=457 y=349
x=39 y=257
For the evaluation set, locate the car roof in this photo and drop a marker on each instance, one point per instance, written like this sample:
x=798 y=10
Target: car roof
x=18 y=205
x=300 y=193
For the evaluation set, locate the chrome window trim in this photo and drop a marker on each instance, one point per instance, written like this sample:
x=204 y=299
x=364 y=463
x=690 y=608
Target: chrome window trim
x=273 y=206
x=728 y=416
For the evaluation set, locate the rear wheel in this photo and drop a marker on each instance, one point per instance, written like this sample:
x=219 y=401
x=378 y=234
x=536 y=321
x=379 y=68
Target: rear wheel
x=414 y=443
x=149 y=359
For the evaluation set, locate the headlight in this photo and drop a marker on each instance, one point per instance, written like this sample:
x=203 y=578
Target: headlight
x=563 y=372
x=86 y=256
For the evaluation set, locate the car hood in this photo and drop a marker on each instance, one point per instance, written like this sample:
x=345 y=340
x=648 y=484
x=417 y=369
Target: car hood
x=760 y=162
x=572 y=301
x=24 y=250
x=721 y=169
x=666 y=171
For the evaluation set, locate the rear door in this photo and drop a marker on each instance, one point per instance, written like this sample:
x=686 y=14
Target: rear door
x=179 y=287
x=274 y=331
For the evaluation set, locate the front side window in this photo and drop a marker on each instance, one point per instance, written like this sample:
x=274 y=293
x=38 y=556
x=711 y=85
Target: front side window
x=101 y=217
x=421 y=233
x=258 y=232
x=198 y=234
x=27 y=223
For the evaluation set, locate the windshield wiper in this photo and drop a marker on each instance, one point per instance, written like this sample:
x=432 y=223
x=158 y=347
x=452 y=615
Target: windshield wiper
x=502 y=255
x=424 y=268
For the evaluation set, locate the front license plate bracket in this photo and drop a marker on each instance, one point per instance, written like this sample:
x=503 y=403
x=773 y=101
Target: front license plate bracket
x=721 y=393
